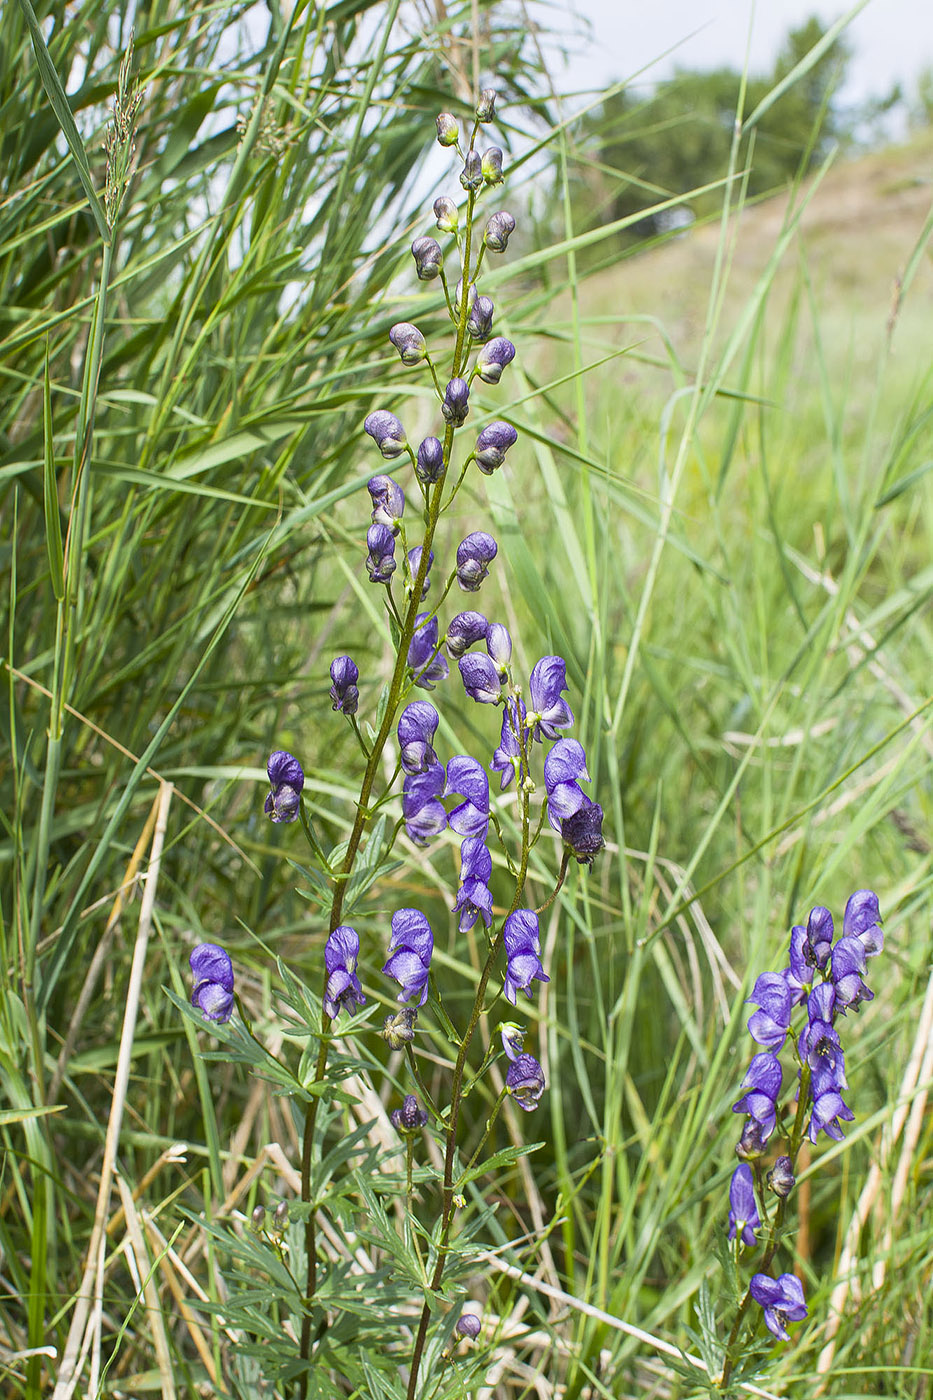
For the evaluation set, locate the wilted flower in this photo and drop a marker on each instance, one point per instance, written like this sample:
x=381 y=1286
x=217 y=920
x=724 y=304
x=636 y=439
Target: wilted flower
x=493 y=358
x=467 y=779
x=410 y=952
x=344 y=692
x=416 y=729
x=448 y=132
x=486 y=106
x=445 y=212
x=781 y=1299
x=468 y=1325
x=479 y=321
x=481 y=678
x=474 y=897
x=744 y=1219
x=498 y=231
x=388 y=500
x=474 y=555
x=287 y=780
x=456 y=403
x=213 y=981
x=410 y=1117
x=548 y=712
x=428 y=667
x=386 y=432
x=522 y=948
x=463 y=631
x=492 y=445
x=380 y=561
x=583 y=832
x=399 y=1030
x=409 y=342
x=525 y=1082
x=471 y=176
x=343 y=986
x=428 y=257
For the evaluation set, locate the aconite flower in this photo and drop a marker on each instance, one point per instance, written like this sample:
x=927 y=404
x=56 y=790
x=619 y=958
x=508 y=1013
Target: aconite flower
x=213 y=981
x=286 y=779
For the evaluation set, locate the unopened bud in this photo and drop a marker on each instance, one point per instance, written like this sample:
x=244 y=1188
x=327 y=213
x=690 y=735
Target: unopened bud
x=479 y=321
x=471 y=176
x=486 y=106
x=781 y=1177
x=280 y=1217
x=468 y=1326
x=448 y=132
x=257 y=1218
x=428 y=257
x=498 y=231
x=399 y=1029
x=445 y=212
x=492 y=166
x=408 y=341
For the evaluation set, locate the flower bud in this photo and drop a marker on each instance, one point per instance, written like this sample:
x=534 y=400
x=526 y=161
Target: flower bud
x=499 y=644
x=286 y=779
x=498 y=231
x=492 y=166
x=474 y=555
x=781 y=1177
x=409 y=342
x=463 y=631
x=492 y=445
x=428 y=257
x=493 y=358
x=430 y=462
x=280 y=1217
x=410 y=1117
x=414 y=564
x=380 y=562
x=456 y=402
x=448 y=132
x=486 y=106
x=344 y=693
x=386 y=432
x=513 y=1038
x=399 y=1030
x=471 y=176
x=445 y=212
x=388 y=501
x=480 y=677
x=751 y=1145
x=468 y=1325
x=470 y=296
x=479 y=321
x=257 y=1218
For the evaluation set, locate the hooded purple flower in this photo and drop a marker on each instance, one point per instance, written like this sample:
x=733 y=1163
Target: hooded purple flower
x=525 y=1081
x=498 y=231
x=474 y=897
x=463 y=631
x=819 y=937
x=481 y=678
x=565 y=763
x=583 y=832
x=479 y=321
x=386 y=432
x=467 y=779
x=492 y=445
x=428 y=257
x=744 y=1219
x=493 y=358
x=410 y=1117
x=410 y=950
x=428 y=667
x=782 y=1300
x=548 y=712
x=848 y=963
x=344 y=693
x=471 y=176
x=287 y=780
x=422 y=809
x=456 y=404
x=507 y=756
x=770 y=1025
x=388 y=501
x=862 y=920
x=416 y=729
x=474 y=555
x=819 y=1040
x=343 y=986
x=409 y=342
x=522 y=948
x=763 y=1082
x=213 y=981
x=827 y=1104
x=380 y=561
x=430 y=463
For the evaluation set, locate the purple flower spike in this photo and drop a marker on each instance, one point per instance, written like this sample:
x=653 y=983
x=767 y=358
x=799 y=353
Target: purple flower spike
x=549 y=712
x=344 y=692
x=422 y=808
x=474 y=555
x=498 y=231
x=479 y=321
x=564 y=764
x=416 y=729
x=493 y=358
x=769 y=1026
x=388 y=501
x=386 y=432
x=481 y=679
x=213 y=981
x=467 y=779
x=782 y=1300
x=474 y=897
x=522 y=948
x=744 y=1219
x=492 y=445
x=428 y=258
x=862 y=920
x=287 y=780
x=428 y=667
x=409 y=342
x=456 y=403
x=513 y=719
x=430 y=464
x=583 y=832
x=410 y=952
x=380 y=561
x=525 y=1081
x=343 y=986
x=463 y=631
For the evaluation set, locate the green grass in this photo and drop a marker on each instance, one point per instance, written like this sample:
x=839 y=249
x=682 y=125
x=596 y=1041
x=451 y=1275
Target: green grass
x=719 y=510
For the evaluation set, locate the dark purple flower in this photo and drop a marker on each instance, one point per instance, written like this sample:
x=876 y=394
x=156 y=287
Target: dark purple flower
x=492 y=445
x=799 y=973
x=430 y=463
x=474 y=897
x=409 y=342
x=386 y=432
x=770 y=1025
x=507 y=757
x=479 y=321
x=213 y=981
x=463 y=631
x=819 y=1040
x=486 y=106
x=744 y=1219
x=380 y=561
x=780 y=1178
x=429 y=668
x=410 y=1117
x=525 y=1081
x=467 y=779
x=819 y=937
x=583 y=832
x=416 y=729
x=549 y=712
x=414 y=564
x=456 y=404
x=422 y=809
x=493 y=358
x=428 y=257
x=471 y=176
x=522 y=948
x=344 y=693
x=474 y=555
x=388 y=501
x=498 y=231
x=343 y=986
x=862 y=920
x=827 y=1104
x=448 y=132
x=564 y=764
x=492 y=166
x=481 y=678
x=468 y=1325
x=410 y=952
x=847 y=964
x=763 y=1082
x=287 y=780
x=445 y=212
x=751 y=1145
x=782 y=1300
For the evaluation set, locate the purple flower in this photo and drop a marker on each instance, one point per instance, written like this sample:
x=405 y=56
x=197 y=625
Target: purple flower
x=479 y=321
x=782 y=1300
x=386 y=432
x=388 y=501
x=428 y=258
x=522 y=948
x=763 y=1082
x=564 y=764
x=414 y=564
x=513 y=1038
x=343 y=986
x=751 y=1144
x=499 y=646
x=410 y=952
x=287 y=780
x=549 y=712
x=471 y=176
x=769 y=1026
x=498 y=231
x=468 y=1325
x=848 y=963
x=467 y=779
x=744 y=1219
x=507 y=757
x=445 y=212
x=474 y=555
x=819 y=1040
x=474 y=897
x=827 y=1104
x=481 y=678
x=583 y=832
x=862 y=920
x=525 y=1081
x=422 y=809
x=410 y=1117
x=493 y=358
x=819 y=937
x=344 y=693
x=429 y=668
x=380 y=561
x=430 y=464
x=456 y=404
x=799 y=974
x=492 y=445
x=416 y=729
x=213 y=981
x=408 y=341
x=463 y=631
x=781 y=1179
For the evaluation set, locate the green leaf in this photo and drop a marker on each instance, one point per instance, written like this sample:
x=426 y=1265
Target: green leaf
x=53 y=527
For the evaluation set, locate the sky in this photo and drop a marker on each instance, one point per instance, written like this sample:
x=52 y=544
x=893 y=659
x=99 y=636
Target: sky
x=892 y=39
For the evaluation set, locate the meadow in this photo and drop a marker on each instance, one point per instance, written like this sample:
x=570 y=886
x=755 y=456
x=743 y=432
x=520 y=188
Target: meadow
x=719 y=512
